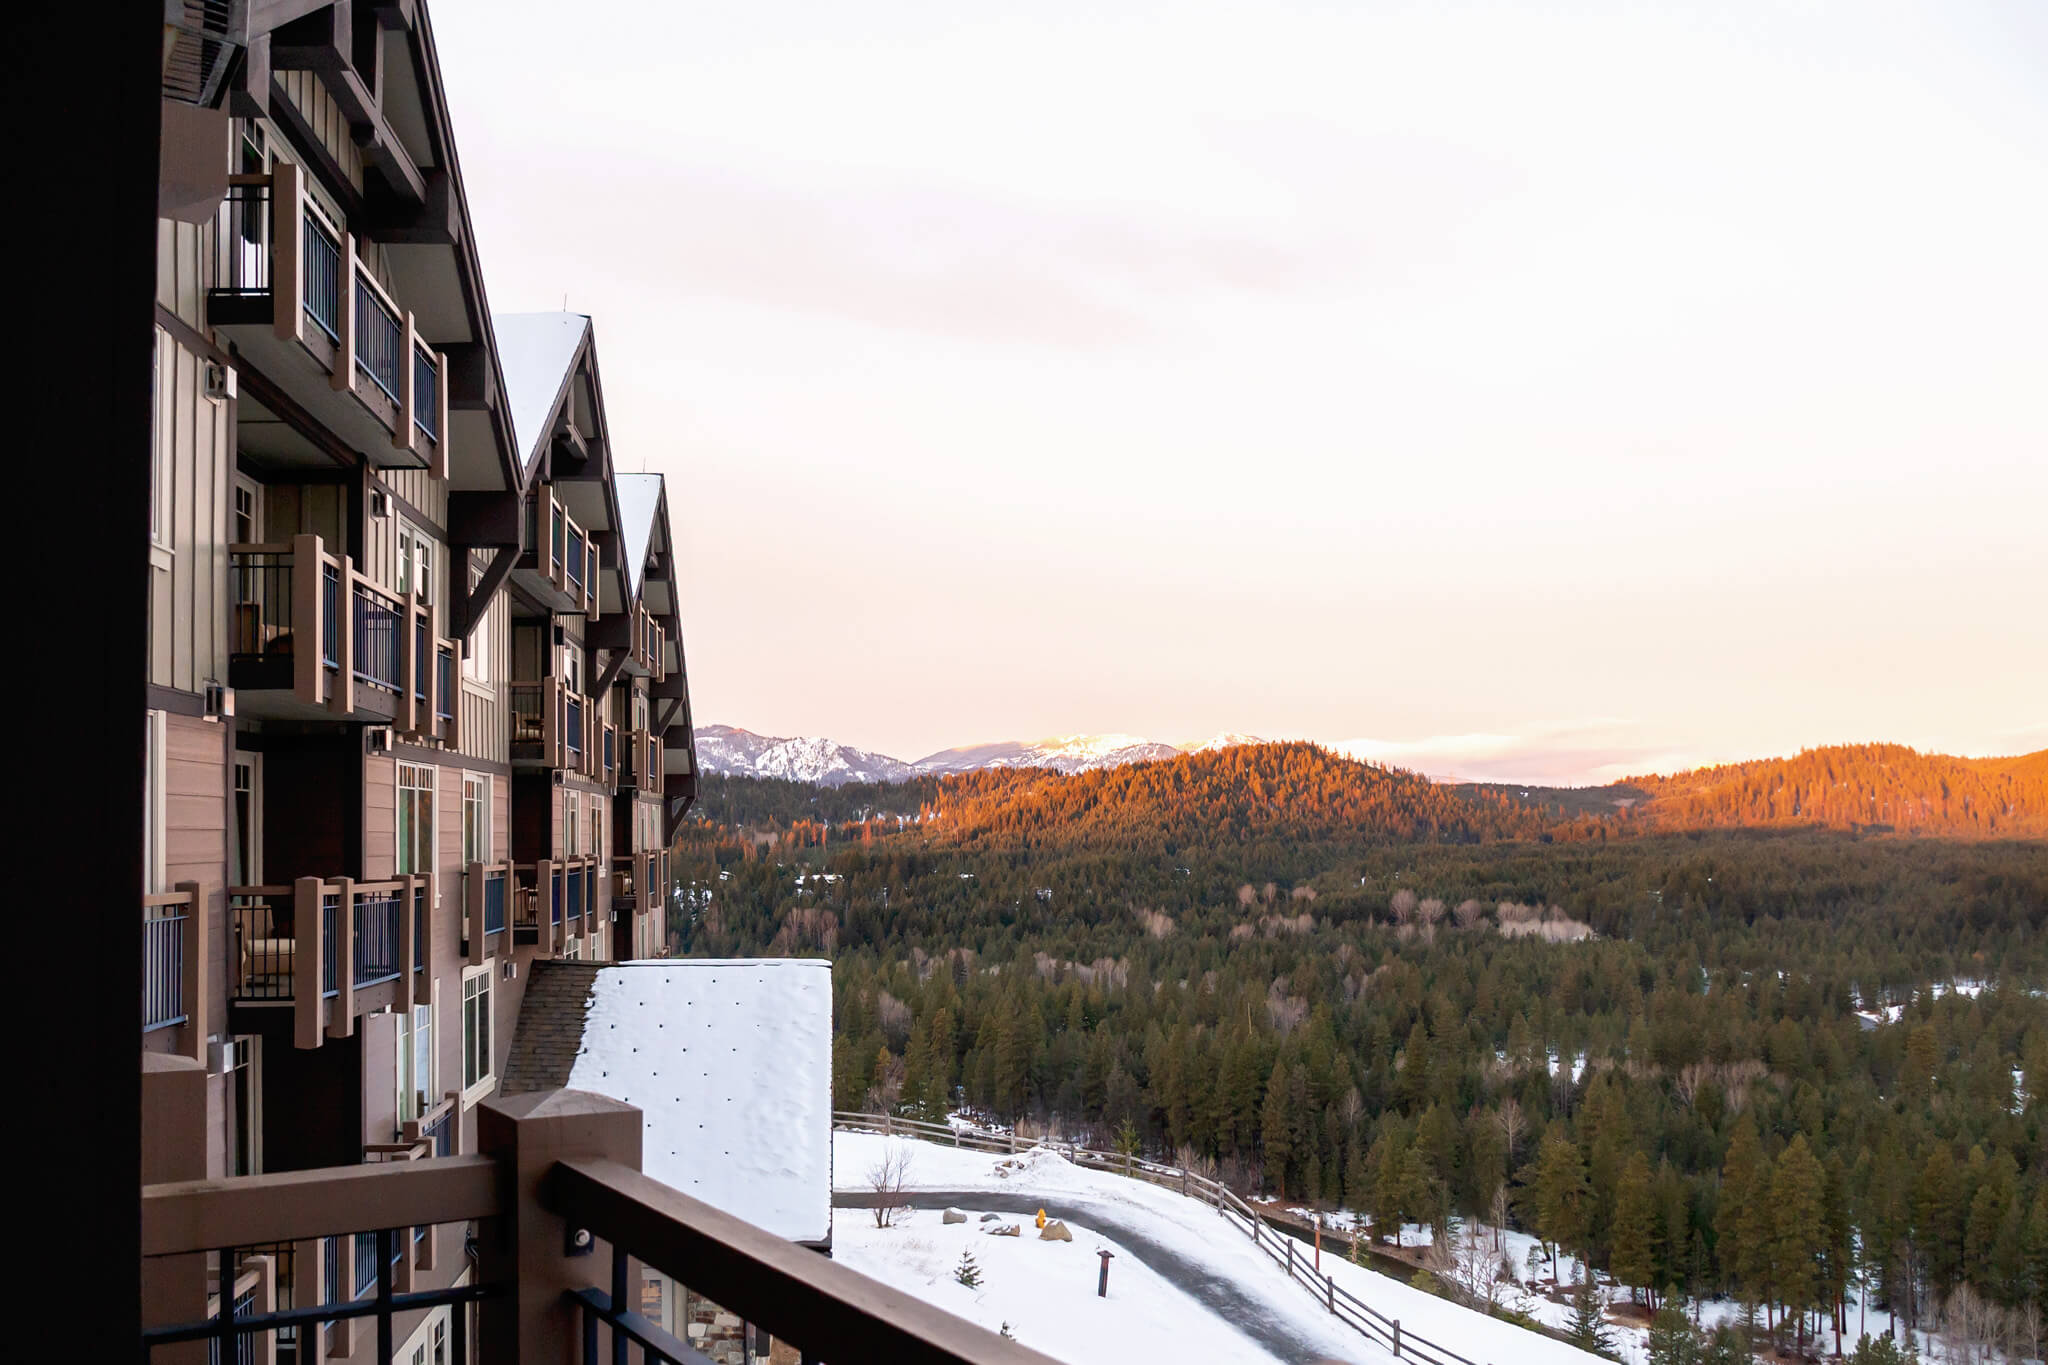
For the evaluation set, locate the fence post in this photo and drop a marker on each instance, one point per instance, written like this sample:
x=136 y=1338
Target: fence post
x=1397 y=1337
x=1330 y=1293
x=1290 y=1255
x=523 y=1248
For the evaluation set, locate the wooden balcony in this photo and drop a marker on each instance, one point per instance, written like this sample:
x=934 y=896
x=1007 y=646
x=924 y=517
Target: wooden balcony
x=329 y=949
x=429 y=676
x=310 y=638
x=549 y=1165
x=488 y=893
x=288 y=287
x=556 y=899
x=641 y=769
x=559 y=567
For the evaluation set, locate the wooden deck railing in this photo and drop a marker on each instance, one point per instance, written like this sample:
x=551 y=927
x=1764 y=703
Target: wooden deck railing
x=563 y=1217
x=171 y=960
x=1279 y=1247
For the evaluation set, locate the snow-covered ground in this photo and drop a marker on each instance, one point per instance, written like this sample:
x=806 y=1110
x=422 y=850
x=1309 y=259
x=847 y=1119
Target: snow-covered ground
x=1193 y=1233
x=1043 y=1291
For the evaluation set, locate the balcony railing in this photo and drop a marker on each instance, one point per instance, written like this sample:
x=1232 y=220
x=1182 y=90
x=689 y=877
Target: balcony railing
x=330 y=615
x=426 y=397
x=241 y=239
x=167 y=925
x=376 y=638
x=378 y=913
x=560 y=562
x=320 y=258
x=525 y=1267
x=444 y=683
x=380 y=337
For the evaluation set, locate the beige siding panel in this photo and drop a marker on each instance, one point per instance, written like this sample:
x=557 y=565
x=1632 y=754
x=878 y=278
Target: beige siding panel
x=380 y=818
x=188 y=595
x=501 y=819
x=195 y=832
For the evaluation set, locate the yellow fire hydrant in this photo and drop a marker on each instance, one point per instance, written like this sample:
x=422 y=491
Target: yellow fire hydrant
x=1041 y=1219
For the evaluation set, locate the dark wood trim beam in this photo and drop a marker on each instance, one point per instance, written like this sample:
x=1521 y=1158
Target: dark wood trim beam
x=432 y=222
x=662 y=720
x=614 y=662
x=268 y=15
x=472 y=380
x=395 y=14
x=189 y=337
x=477 y=520
x=470 y=606
x=260 y=387
x=248 y=87
x=317 y=158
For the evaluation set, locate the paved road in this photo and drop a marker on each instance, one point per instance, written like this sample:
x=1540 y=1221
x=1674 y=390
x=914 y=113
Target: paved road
x=1246 y=1312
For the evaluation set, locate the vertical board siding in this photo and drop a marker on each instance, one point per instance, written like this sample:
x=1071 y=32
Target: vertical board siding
x=312 y=101
x=188 y=592
x=196 y=833
x=380 y=818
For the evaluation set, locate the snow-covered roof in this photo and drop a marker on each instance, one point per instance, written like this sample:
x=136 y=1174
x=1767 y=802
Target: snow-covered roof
x=639 y=495
x=730 y=1061
x=535 y=350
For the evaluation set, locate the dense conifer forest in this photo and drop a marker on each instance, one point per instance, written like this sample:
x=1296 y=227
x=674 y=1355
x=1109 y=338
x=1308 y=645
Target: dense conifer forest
x=1775 y=1031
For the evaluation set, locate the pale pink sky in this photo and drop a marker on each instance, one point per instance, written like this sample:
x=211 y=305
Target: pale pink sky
x=1544 y=394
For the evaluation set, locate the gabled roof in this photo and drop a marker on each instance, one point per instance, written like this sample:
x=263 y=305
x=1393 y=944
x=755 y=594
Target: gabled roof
x=538 y=353
x=729 y=1062
x=639 y=501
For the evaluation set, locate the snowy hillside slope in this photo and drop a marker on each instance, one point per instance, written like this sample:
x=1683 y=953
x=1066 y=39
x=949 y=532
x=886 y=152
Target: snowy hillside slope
x=1195 y=1233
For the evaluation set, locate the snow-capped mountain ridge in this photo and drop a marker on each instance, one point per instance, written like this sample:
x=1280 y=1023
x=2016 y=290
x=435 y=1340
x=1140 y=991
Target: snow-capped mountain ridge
x=728 y=750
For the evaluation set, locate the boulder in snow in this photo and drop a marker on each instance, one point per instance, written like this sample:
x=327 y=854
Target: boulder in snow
x=1007 y=1230
x=990 y=1217
x=1055 y=1231
x=954 y=1216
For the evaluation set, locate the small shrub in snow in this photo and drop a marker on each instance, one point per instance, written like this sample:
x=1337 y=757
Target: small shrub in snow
x=1588 y=1328
x=967 y=1272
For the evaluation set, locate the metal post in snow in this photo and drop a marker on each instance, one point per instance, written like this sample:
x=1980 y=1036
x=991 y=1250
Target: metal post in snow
x=1319 y=1243
x=1102 y=1284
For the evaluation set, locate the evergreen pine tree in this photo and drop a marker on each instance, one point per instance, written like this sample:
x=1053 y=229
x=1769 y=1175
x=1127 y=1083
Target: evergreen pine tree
x=1587 y=1328
x=1276 y=1130
x=1799 y=1207
x=1562 y=1203
x=967 y=1272
x=1633 y=1258
x=1672 y=1339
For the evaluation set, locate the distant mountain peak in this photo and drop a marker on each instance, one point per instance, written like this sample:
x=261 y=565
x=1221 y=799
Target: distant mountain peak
x=729 y=750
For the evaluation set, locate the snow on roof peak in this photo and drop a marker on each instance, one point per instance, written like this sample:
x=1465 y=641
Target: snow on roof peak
x=730 y=1064
x=535 y=350
x=639 y=495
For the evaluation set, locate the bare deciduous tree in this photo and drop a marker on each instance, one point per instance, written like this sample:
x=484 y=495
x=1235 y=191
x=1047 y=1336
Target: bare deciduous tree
x=888 y=1177
x=1513 y=1124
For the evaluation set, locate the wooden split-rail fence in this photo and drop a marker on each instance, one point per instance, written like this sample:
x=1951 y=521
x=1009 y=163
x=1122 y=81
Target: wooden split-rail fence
x=1279 y=1247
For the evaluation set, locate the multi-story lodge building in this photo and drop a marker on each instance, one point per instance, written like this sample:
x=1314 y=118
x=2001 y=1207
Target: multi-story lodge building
x=416 y=717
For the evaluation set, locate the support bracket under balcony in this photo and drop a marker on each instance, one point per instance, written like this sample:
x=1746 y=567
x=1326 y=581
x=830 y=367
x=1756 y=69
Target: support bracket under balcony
x=470 y=604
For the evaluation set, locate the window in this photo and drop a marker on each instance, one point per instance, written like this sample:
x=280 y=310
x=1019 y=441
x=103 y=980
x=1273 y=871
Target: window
x=159 y=478
x=247 y=524
x=155 y=739
x=415 y=564
x=572 y=813
x=245 y=854
x=415 y=818
x=416 y=1087
x=476 y=655
x=476 y=1030
x=476 y=819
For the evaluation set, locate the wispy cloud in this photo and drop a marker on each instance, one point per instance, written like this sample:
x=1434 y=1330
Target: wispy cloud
x=947 y=261
x=1581 y=753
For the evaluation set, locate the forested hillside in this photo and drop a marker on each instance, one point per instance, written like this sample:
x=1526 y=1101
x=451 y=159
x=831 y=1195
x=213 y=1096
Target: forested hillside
x=1766 y=1061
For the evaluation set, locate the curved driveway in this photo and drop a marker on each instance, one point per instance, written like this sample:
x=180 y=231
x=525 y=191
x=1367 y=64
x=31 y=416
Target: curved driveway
x=1222 y=1295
